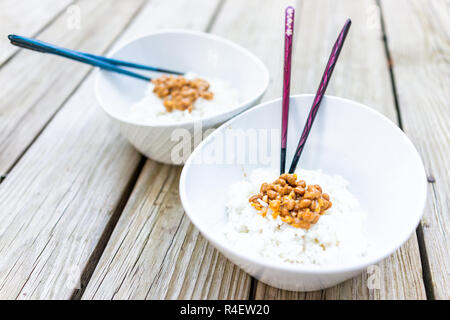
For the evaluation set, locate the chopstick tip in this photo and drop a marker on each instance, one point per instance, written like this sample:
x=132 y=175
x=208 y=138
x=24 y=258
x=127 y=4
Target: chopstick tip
x=290 y=9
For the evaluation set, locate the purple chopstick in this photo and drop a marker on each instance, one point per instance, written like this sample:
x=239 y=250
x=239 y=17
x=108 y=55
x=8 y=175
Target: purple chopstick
x=320 y=92
x=289 y=30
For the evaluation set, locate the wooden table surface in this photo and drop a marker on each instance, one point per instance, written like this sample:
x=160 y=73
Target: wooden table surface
x=85 y=216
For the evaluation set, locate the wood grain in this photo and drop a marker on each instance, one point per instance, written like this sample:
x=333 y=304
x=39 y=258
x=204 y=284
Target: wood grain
x=70 y=173
x=361 y=74
x=27 y=18
x=419 y=43
x=35 y=85
x=156 y=253
x=260 y=29
x=184 y=265
x=61 y=197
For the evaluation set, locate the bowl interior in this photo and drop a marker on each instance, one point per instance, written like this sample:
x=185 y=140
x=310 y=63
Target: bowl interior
x=384 y=169
x=183 y=51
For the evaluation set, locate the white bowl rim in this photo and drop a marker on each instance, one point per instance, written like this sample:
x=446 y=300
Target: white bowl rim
x=307 y=269
x=187 y=122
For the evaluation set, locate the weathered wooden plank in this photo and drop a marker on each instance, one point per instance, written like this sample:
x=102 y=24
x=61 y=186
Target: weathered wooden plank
x=154 y=251
x=136 y=263
x=259 y=27
x=183 y=272
x=362 y=75
x=61 y=197
x=419 y=44
x=35 y=85
x=25 y=17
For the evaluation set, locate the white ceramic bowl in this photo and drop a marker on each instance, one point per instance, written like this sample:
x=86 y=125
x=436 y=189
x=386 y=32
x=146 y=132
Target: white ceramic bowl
x=180 y=50
x=385 y=172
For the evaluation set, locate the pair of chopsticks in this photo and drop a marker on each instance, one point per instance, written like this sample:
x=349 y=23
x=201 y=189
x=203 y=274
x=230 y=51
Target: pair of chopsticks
x=319 y=94
x=113 y=65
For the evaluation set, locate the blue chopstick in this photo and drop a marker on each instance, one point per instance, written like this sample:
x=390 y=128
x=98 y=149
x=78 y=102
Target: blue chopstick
x=132 y=64
x=98 y=61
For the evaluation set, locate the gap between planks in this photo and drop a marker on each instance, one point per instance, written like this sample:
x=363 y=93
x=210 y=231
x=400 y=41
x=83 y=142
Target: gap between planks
x=127 y=17
x=20 y=137
x=209 y=25
x=76 y=87
x=97 y=253
x=400 y=262
x=401 y=271
x=101 y=245
x=14 y=50
x=418 y=40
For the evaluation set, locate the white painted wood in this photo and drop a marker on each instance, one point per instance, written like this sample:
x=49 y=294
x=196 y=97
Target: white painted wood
x=190 y=264
x=156 y=253
x=419 y=43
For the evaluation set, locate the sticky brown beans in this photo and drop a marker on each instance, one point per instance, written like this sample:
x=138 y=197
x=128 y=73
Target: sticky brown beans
x=303 y=224
x=181 y=91
x=286 y=189
x=315 y=219
x=297 y=204
x=308 y=216
x=257 y=206
x=264 y=187
x=284 y=212
x=272 y=194
x=208 y=95
x=316 y=194
x=313 y=205
x=291 y=179
x=277 y=188
x=290 y=204
x=254 y=198
x=168 y=104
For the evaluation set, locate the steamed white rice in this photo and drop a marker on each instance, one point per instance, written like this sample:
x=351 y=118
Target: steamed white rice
x=151 y=108
x=337 y=238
